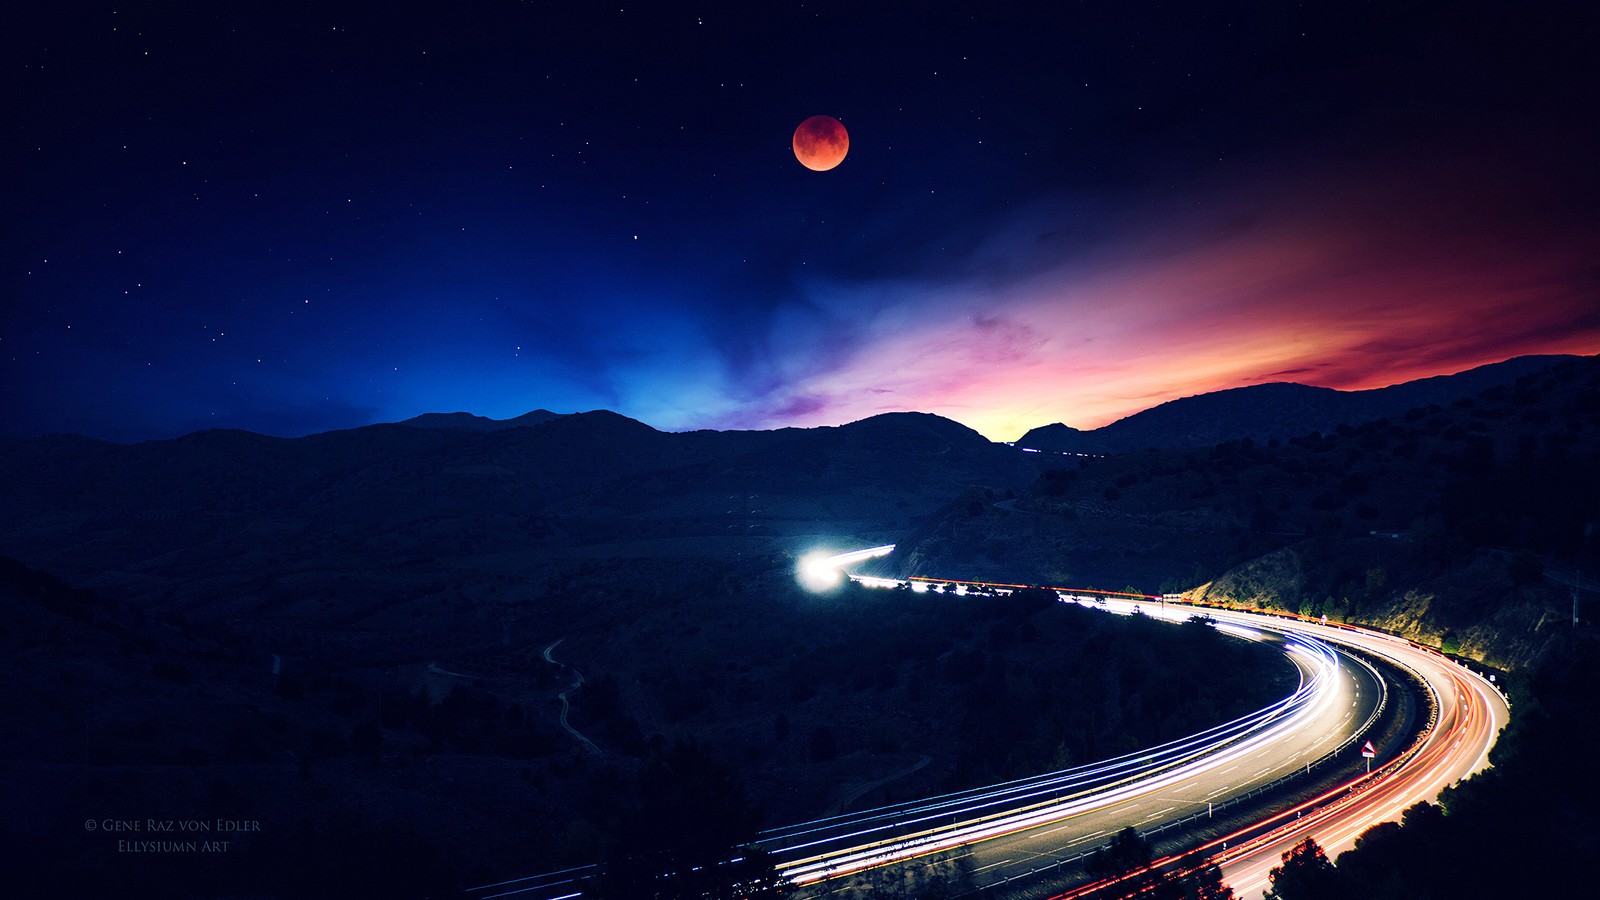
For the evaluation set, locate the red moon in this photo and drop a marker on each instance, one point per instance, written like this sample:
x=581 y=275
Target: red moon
x=820 y=143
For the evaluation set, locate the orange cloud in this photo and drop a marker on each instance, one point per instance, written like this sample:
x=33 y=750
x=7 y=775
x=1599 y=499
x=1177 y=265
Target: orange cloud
x=1330 y=284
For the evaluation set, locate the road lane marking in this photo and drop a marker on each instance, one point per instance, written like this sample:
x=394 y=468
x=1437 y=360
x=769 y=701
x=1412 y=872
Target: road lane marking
x=992 y=865
x=1056 y=829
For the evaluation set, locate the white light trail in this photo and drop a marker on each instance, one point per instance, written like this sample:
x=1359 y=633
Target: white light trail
x=819 y=571
x=848 y=843
x=992 y=812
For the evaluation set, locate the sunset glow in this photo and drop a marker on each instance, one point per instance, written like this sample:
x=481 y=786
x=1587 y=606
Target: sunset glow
x=1029 y=229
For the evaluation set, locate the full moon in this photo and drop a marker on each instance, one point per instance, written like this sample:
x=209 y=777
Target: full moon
x=820 y=143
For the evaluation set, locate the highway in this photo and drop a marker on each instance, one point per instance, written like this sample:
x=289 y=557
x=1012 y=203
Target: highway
x=1469 y=712
x=1016 y=829
x=1034 y=826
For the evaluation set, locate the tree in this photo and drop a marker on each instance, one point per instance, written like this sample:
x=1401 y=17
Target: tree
x=687 y=835
x=1127 y=853
x=366 y=740
x=941 y=878
x=1024 y=602
x=1524 y=568
x=1306 y=874
x=1202 y=881
x=822 y=745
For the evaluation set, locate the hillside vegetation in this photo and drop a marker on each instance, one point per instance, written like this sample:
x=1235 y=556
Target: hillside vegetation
x=811 y=704
x=1280 y=410
x=1443 y=523
x=361 y=638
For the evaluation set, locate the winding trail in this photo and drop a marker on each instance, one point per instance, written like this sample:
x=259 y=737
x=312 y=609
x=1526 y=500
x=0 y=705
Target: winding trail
x=566 y=705
x=912 y=769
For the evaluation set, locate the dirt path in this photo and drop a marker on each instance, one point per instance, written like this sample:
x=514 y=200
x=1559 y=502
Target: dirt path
x=566 y=706
x=844 y=804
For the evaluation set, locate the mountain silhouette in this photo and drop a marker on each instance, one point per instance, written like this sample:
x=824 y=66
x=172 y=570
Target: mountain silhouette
x=1275 y=410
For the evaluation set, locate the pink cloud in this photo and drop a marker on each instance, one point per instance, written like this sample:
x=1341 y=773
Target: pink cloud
x=1337 y=283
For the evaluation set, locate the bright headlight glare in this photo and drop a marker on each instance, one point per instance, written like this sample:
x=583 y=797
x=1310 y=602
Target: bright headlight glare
x=818 y=572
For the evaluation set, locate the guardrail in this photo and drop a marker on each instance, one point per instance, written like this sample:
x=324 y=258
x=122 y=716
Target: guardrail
x=1340 y=794
x=1367 y=629
x=1063 y=864
x=956 y=832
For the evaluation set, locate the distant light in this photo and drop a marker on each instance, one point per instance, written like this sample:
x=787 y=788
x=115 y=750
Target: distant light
x=1238 y=631
x=874 y=581
x=818 y=572
x=821 y=571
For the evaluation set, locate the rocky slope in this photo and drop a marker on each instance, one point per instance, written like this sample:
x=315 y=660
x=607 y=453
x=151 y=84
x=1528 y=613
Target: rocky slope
x=1486 y=609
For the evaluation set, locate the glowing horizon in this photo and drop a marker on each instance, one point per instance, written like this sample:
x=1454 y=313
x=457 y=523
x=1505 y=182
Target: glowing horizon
x=1034 y=231
x=1353 y=295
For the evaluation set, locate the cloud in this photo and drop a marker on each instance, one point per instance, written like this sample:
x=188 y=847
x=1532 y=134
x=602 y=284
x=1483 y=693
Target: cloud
x=1286 y=373
x=1349 y=280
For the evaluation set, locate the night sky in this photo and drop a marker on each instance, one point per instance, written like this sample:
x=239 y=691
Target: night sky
x=295 y=218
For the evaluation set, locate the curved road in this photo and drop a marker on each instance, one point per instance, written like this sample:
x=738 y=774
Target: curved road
x=1468 y=715
x=1039 y=825
x=1470 y=712
x=1020 y=828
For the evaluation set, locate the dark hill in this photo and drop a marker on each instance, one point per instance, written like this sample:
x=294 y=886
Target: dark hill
x=1432 y=523
x=1278 y=410
x=479 y=423
x=182 y=518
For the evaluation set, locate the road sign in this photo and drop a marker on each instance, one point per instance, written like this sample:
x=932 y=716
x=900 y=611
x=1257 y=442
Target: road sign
x=1368 y=751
